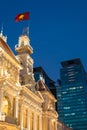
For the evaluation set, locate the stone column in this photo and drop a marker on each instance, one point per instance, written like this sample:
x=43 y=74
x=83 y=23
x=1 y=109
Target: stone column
x=1 y=71
x=50 y=124
x=55 y=125
x=34 y=122
x=28 y=119
x=2 y=67
x=1 y=99
x=16 y=108
x=21 y=118
x=40 y=122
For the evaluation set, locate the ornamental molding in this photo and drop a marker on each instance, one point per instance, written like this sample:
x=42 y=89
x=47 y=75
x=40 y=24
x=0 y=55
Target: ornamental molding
x=8 y=57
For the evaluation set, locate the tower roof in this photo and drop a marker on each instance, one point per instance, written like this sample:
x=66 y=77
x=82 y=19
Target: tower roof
x=43 y=88
x=40 y=69
x=68 y=63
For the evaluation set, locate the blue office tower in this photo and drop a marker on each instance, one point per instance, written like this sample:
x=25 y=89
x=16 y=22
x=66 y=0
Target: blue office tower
x=73 y=94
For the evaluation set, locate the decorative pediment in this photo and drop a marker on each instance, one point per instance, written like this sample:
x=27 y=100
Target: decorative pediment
x=5 y=49
x=43 y=88
x=49 y=99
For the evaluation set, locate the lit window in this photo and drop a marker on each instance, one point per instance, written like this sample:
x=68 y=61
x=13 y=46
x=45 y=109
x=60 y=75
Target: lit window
x=64 y=92
x=67 y=114
x=66 y=108
x=72 y=80
x=70 y=74
x=81 y=87
x=72 y=113
x=72 y=88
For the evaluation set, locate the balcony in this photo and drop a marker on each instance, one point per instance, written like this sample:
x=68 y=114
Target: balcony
x=24 y=48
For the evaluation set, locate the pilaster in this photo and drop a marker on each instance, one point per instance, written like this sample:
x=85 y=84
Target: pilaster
x=1 y=99
x=21 y=118
x=16 y=108
x=40 y=122
x=55 y=125
x=34 y=122
x=28 y=119
x=50 y=124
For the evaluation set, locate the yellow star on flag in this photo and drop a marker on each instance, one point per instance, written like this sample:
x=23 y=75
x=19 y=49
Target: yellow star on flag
x=21 y=16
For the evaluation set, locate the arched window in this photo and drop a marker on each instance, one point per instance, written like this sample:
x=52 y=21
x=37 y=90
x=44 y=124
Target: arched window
x=6 y=106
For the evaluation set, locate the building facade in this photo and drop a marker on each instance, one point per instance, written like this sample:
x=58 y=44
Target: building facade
x=24 y=103
x=39 y=73
x=73 y=101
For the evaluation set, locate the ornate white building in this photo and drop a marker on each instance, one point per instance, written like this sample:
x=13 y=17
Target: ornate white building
x=24 y=103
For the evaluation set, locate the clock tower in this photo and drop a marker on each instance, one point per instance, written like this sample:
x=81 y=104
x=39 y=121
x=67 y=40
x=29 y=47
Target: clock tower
x=24 y=51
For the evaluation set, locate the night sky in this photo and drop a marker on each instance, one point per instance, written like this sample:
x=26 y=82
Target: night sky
x=58 y=30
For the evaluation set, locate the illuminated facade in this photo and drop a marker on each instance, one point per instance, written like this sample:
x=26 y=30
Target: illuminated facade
x=73 y=101
x=39 y=73
x=24 y=103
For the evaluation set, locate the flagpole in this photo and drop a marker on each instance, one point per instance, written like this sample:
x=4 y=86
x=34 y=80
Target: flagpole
x=21 y=17
x=28 y=28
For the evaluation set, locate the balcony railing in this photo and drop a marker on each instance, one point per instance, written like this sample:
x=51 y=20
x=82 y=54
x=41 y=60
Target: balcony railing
x=17 y=46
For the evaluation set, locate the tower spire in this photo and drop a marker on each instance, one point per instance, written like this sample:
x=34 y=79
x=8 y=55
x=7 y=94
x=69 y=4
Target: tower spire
x=2 y=36
x=2 y=30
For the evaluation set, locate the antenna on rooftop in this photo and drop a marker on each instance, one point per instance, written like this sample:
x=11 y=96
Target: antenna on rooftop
x=1 y=34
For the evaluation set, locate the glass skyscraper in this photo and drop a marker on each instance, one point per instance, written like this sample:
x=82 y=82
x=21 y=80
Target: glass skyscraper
x=73 y=101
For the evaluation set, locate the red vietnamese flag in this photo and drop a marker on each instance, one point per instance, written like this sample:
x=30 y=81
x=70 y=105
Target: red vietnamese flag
x=22 y=16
